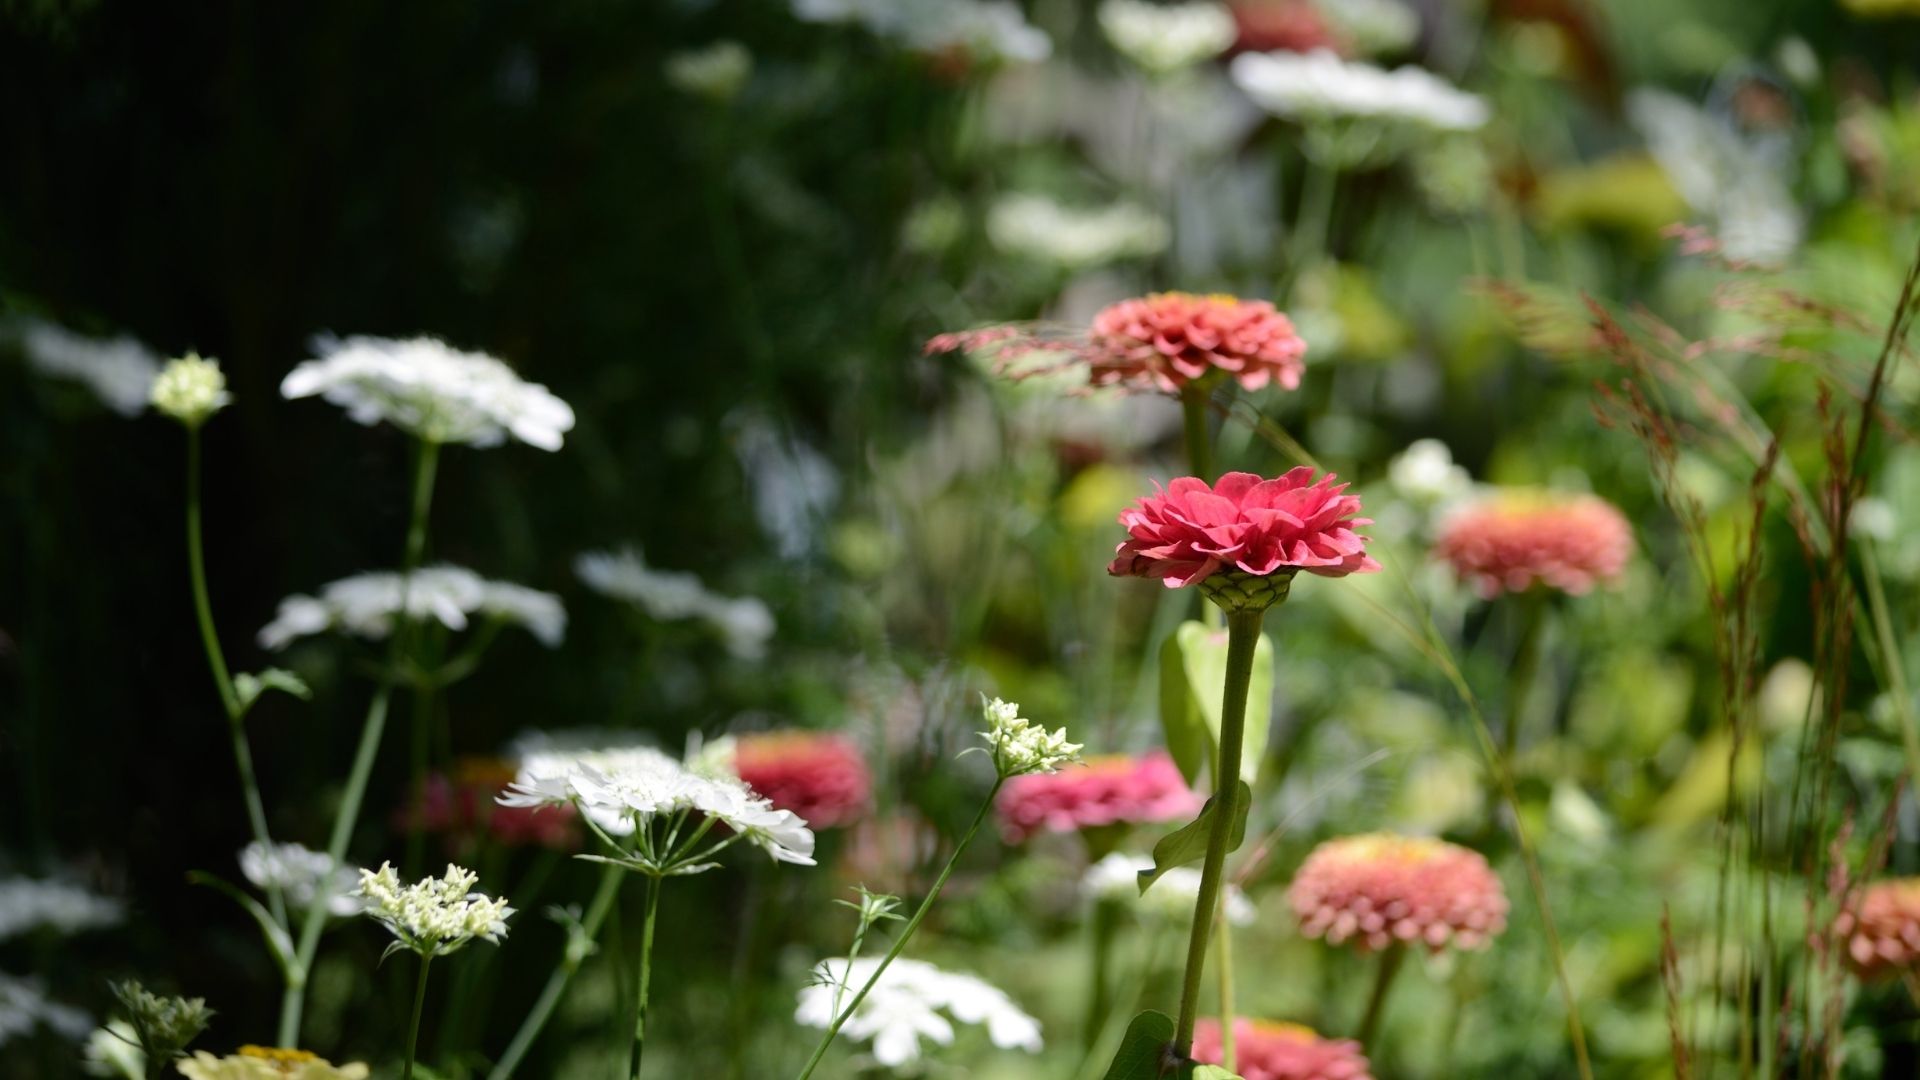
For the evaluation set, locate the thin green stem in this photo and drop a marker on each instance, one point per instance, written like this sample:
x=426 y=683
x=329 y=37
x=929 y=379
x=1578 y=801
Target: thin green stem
x=1524 y=669
x=1243 y=634
x=1193 y=410
x=906 y=933
x=646 y=975
x=1390 y=960
x=413 y=1027
x=1223 y=945
x=222 y=680
x=1892 y=659
x=577 y=949
x=1099 y=999
x=370 y=730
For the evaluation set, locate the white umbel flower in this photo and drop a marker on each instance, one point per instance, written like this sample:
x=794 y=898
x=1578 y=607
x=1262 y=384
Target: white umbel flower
x=433 y=390
x=1425 y=473
x=988 y=29
x=1019 y=746
x=907 y=1005
x=1165 y=38
x=365 y=605
x=29 y=904
x=1041 y=229
x=744 y=624
x=120 y=370
x=24 y=1006
x=1116 y=878
x=433 y=916
x=299 y=871
x=190 y=389
x=1321 y=86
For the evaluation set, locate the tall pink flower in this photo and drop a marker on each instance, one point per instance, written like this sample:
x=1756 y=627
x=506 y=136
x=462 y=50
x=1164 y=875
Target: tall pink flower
x=1116 y=789
x=1379 y=889
x=821 y=777
x=1520 y=539
x=1881 y=929
x=1190 y=531
x=1167 y=340
x=1266 y=1050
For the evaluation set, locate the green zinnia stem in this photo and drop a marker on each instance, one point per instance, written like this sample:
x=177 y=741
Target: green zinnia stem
x=906 y=933
x=557 y=981
x=1390 y=960
x=1243 y=634
x=1099 y=998
x=1223 y=945
x=646 y=975
x=222 y=679
x=370 y=729
x=1193 y=409
x=413 y=1027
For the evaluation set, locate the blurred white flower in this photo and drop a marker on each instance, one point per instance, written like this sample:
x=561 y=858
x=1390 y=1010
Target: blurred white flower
x=28 y=904
x=115 y=1051
x=1321 y=86
x=1738 y=181
x=793 y=485
x=190 y=389
x=365 y=605
x=24 y=1005
x=1372 y=27
x=1117 y=878
x=120 y=370
x=744 y=623
x=297 y=871
x=990 y=29
x=433 y=916
x=1039 y=228
x=716 y=71
x=1019 y=746
x=1425 y=473
x=426 y=387
x=1167 y=37
x=906 y=1005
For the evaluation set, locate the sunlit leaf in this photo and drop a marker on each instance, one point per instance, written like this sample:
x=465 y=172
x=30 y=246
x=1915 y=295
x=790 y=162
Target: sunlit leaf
x=1188 y=844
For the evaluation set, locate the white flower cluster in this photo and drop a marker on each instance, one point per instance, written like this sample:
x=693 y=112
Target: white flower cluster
x=1425 y=473
x=28 y=904
x=190 y=389
x=743 y=623
x=715 y=71
x=1019 y=746
x=365 y=605
x=433 y=916
x=988 y=29
x=626 y=788
x=24 y=1005
x=907 y=1004
x=298 y=871
x=120 y=371
x=1321 y=86
x=1117 y=878
x=1742 y=181
x=1165 y=38
x=437 y=392
x=1039 y=228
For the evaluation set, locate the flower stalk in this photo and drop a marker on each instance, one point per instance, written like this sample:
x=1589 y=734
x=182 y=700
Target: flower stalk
x=413 y=1026
x=580 y=944
x=646 y=976
x=1390 y=960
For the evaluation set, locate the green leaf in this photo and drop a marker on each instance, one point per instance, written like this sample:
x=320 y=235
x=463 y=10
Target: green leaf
x=248 y=686
x=1145 y=1050
x=1180 y=722
x=1212 y=1072
x=1188 y=844
x=1204 y=651
x=278 y=941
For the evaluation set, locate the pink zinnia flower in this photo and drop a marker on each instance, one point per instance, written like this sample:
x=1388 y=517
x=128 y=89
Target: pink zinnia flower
x=1115 y=789
x=1518 y=539
x=1379 y=889
x=1168 y=340
x=459 y=804
x=1266 y=1050
x=1881 y=929
x=823 y=778
x=1189 y=531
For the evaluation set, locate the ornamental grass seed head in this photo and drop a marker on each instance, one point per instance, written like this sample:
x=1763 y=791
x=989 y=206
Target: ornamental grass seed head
x=190 y=389
x=1379 y=889
x=1018 y=746
x=1267 y=1050
x=433 y=916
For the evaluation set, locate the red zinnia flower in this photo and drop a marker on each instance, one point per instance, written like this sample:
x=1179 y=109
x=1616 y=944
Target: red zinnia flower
x=823 y=778
x=1379 y=889
x=1518 y=539
x=460 y=805
x=1189 y=532
x=1115 y=789
x=1280 y=25
x=1881 y=929
x=1266 y=1050
x=1167 y=340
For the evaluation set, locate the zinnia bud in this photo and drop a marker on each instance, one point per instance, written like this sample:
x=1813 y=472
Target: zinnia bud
x=1266 y=1050
x=1380 y=889
x=190 y=389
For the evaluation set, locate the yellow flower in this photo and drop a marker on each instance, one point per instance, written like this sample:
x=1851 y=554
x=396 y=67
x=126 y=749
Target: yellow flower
x=268 y=1063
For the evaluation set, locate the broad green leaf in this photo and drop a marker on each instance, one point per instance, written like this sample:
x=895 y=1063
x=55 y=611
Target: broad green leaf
x=1188 y=844
x=1185 y=732
x=1204 y=651
x=1145 y=1050
x=248 y=686
x=279 y=943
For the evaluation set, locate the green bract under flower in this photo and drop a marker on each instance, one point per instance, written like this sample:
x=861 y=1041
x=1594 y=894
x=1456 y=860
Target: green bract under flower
x=1019 y=746
x=433 y=917
x=190 y=389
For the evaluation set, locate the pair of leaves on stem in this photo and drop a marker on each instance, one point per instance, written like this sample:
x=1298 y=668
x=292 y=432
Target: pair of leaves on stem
x=1146 y=1053
x=1193 y=679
